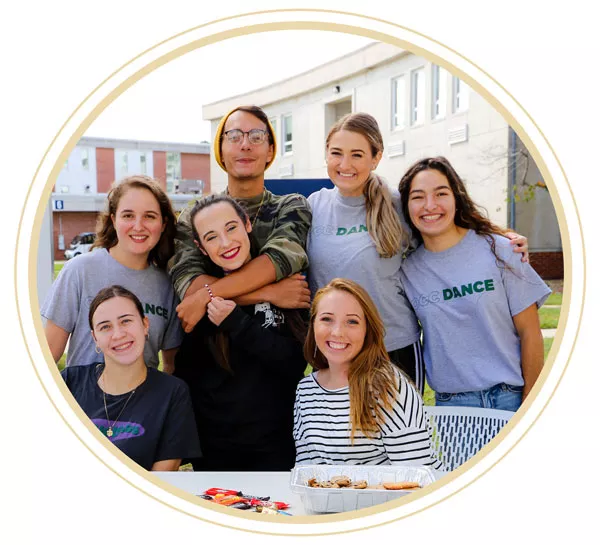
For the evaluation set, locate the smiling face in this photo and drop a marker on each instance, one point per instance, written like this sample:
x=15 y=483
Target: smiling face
x=350 y=161
x=431 y=205
x=244 y=161
x=223 y=236
x=138 y=222
x=339 y=327
x=120 y=331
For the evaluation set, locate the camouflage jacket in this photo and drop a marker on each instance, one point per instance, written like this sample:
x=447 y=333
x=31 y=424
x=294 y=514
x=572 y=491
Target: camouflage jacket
x=280 y=232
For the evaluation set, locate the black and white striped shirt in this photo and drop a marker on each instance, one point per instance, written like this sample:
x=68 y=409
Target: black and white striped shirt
x=322 y=429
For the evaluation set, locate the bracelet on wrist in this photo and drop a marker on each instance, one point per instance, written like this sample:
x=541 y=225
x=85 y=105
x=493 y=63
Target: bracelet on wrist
x=210 y=293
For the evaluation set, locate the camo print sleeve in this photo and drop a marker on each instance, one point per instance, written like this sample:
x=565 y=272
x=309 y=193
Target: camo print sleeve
x=187 y=262
x=286 y=243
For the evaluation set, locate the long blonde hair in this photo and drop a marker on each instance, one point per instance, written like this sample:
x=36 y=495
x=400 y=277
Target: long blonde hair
x=383 y=222
x=371 y=377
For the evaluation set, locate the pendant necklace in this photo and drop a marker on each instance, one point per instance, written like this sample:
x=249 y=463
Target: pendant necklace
x=109 y=431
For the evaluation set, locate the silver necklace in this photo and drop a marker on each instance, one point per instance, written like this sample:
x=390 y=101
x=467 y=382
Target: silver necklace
x=109 y=431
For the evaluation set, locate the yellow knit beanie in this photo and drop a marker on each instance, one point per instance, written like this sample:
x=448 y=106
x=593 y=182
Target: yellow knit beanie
x=219 y=134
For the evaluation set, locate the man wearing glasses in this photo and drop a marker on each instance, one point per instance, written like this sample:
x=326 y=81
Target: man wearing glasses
x=245 y=147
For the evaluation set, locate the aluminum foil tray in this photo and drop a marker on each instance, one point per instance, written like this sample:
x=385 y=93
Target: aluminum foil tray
x=339 y=500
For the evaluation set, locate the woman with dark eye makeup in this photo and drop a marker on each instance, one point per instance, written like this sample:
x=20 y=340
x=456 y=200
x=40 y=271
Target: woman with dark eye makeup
x=242 y=363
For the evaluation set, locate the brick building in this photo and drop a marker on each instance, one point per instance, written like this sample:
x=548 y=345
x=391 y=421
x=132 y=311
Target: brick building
x=80 y=191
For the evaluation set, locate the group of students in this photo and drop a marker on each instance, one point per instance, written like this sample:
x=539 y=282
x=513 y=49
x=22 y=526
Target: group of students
x=258 y=286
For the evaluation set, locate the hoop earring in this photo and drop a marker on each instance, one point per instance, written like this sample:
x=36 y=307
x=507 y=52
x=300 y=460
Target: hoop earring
x=98 y=351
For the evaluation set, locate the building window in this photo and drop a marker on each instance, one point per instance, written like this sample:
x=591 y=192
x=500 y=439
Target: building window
x=143 y=165
x=173 y=170
x=398 y=103
x=460 y=95
x=121 y=164
x=273 y=121
x=439 y=79
x=417 y=96
x=287 y=133
x=85 y=158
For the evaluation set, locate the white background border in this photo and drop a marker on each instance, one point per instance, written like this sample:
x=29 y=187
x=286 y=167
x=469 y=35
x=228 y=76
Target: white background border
x=56 y=480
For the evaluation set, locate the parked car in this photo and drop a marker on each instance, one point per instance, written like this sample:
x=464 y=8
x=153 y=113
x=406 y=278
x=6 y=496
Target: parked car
x=81 y=244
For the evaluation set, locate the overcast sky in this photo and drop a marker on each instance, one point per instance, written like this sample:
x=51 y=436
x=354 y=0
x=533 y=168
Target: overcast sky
x=167 y=104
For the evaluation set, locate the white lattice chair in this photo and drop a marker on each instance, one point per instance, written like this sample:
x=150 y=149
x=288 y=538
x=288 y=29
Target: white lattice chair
x=458 y=433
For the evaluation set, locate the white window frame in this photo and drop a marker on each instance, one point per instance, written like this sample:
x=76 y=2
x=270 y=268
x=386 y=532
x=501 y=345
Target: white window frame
x=460 y=95
x=398 y=103
x=287 y=146
x=417 y=97
x=275 y=125
x=144 y=163
x=172 y=180
x=85 y=158
x=439 y=92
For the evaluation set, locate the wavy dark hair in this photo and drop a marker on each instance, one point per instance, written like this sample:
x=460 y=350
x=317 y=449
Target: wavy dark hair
x=106 y=235
x=468 y=214
x=219 y=342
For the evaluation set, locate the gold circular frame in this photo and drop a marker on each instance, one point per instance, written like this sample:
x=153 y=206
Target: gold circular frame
x=174 y=49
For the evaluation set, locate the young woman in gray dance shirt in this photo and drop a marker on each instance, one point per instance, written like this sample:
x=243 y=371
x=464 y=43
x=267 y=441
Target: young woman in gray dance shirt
x=476 y=300
x=135 y=239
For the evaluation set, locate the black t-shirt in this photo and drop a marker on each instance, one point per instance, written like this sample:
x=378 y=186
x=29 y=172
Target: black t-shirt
x=245 y=416
x=156 y=422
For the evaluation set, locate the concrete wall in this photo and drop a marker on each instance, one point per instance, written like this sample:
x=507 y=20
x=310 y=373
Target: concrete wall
x=75 y=177
x=128 y=162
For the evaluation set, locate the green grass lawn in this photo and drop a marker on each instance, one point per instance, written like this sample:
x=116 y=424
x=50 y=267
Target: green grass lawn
x=555 y=298
x=549 y=317
x=547 y=346
x=57 y=268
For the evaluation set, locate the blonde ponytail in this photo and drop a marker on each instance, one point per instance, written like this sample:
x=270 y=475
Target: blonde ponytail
x=383 y=222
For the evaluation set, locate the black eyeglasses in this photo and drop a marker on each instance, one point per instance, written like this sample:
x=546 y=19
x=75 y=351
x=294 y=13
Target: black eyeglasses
x=255 y=136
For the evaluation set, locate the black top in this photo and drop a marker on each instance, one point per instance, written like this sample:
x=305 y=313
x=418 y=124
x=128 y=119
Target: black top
x=245 y=417
x=156 y=424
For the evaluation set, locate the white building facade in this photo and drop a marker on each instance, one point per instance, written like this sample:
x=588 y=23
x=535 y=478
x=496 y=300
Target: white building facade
x=422 y=110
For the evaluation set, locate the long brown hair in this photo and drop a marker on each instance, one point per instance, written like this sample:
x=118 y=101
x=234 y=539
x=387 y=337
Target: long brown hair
x=106 y=235
x=219 y=342
x=371 y=377
x=383 y=222
x=468 y=214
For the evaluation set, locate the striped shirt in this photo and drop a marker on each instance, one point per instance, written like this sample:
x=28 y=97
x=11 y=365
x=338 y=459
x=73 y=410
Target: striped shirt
x=322 y=429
